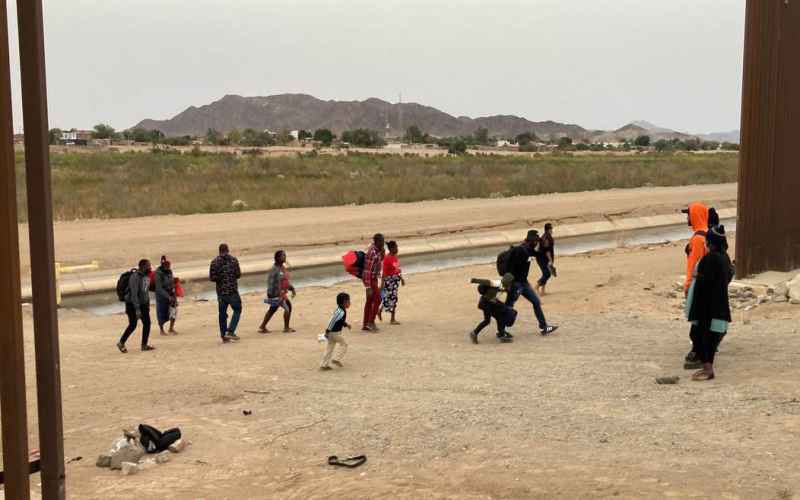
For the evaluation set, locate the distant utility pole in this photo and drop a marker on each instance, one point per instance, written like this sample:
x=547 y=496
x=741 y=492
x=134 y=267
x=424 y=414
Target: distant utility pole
x=400 y=118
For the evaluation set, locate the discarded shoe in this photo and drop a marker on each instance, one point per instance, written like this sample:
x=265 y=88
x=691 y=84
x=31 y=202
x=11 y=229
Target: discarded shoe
x=350 y=463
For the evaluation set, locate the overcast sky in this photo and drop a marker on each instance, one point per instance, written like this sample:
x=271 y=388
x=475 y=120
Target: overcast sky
x=597 y=63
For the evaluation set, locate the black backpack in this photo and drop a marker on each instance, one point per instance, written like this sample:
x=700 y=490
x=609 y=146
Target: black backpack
x=155 y=441
x=361 y=257
x=123 y=284
x=504 y=262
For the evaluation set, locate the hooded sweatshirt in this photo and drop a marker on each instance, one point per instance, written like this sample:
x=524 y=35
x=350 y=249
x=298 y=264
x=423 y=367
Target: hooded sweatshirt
x=696 y=249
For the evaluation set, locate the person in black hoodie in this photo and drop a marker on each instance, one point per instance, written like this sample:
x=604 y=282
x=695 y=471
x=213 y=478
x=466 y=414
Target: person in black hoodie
x=519 y=266
x=707 y=304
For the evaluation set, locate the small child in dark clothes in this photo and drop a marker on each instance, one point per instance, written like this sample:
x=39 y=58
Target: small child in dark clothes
x=494 y=308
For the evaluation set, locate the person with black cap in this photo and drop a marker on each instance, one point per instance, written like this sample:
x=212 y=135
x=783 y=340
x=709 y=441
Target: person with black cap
x=707 y=303
x=519 y=265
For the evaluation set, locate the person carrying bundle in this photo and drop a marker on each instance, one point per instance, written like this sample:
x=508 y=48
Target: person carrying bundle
x=492 y=307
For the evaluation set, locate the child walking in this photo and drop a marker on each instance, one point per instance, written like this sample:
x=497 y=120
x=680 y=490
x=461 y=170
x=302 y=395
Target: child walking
x=493 y=308
x=392 y=279
x=334 y=334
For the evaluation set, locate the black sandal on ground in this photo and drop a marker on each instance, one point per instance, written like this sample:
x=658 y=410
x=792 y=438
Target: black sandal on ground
x=350 y=463
x=121 y=347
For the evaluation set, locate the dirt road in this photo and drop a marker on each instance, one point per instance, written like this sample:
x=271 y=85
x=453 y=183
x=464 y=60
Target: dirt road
x=575 y=415
x=121 y=242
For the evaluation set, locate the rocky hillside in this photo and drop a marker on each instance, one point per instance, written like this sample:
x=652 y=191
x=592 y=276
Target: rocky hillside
x=633 y=130
x=300 y=111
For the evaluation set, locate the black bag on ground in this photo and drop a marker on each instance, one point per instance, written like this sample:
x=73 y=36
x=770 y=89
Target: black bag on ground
x=504 y=261
x=122 y=284
x=155 y=441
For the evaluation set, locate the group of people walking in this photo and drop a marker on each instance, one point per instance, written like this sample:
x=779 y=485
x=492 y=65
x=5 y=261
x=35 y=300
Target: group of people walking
x=382 y=277
x=709 y=270
x=134 y=290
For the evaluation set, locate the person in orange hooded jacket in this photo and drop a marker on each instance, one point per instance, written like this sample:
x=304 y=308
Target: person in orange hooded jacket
x=697 y=215
x=696 y=249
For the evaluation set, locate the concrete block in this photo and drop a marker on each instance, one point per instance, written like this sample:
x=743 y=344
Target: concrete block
x=129 y=468
x=131 y=451
x=793 y=288
x=178 y=446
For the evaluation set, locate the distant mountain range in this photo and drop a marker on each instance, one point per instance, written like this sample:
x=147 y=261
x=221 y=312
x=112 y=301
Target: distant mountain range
x=301 y=111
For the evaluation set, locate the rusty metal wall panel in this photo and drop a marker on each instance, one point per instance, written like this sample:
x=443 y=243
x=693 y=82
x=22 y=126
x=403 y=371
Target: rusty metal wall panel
x=13 y=408
x=40 y=232
x=768 y=228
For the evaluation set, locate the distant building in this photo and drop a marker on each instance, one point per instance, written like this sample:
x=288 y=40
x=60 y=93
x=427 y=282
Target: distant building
x=295 y=134
x=19 y=138
x=76 y=137
x=502 y=143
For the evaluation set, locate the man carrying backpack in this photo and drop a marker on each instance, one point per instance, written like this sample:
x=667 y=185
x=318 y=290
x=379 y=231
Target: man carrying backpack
x=224 y=271
x=137 y=304
x=518 y=262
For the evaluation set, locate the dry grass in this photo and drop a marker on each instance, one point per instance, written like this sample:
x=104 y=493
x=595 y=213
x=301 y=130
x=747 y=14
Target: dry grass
x=111 y=185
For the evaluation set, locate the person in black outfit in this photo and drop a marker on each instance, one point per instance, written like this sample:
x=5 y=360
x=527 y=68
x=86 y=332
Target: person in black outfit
x=709 y=309
x=137 y=306
x=546 y=257
x=493 y=308
x=519 y=267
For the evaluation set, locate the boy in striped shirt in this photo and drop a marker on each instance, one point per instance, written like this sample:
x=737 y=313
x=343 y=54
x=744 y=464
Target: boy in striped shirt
x=334 y=333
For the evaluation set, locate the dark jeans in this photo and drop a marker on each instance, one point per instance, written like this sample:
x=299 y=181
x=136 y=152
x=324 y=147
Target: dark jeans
x=130 y=310
x=235 y=303
x=524 y=289
x=546 y=274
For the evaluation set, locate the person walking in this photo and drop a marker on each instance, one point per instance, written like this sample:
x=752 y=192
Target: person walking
x=519 y=267
x=697 y=219
x=392 y=279
x=491 y=306
x=707 y=302
x=137 y=306
x=278 y=289
x=373 y=259
x=225 y=272
x=545 y=258
x=334 y=335
x=166 y=298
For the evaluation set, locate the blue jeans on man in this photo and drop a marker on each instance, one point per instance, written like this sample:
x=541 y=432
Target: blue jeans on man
x=525 y=289
x=235 y=303
x=544 y=265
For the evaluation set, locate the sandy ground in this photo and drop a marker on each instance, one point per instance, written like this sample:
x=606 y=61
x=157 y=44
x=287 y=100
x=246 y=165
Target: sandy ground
x=120 y=243
x=574 y=415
